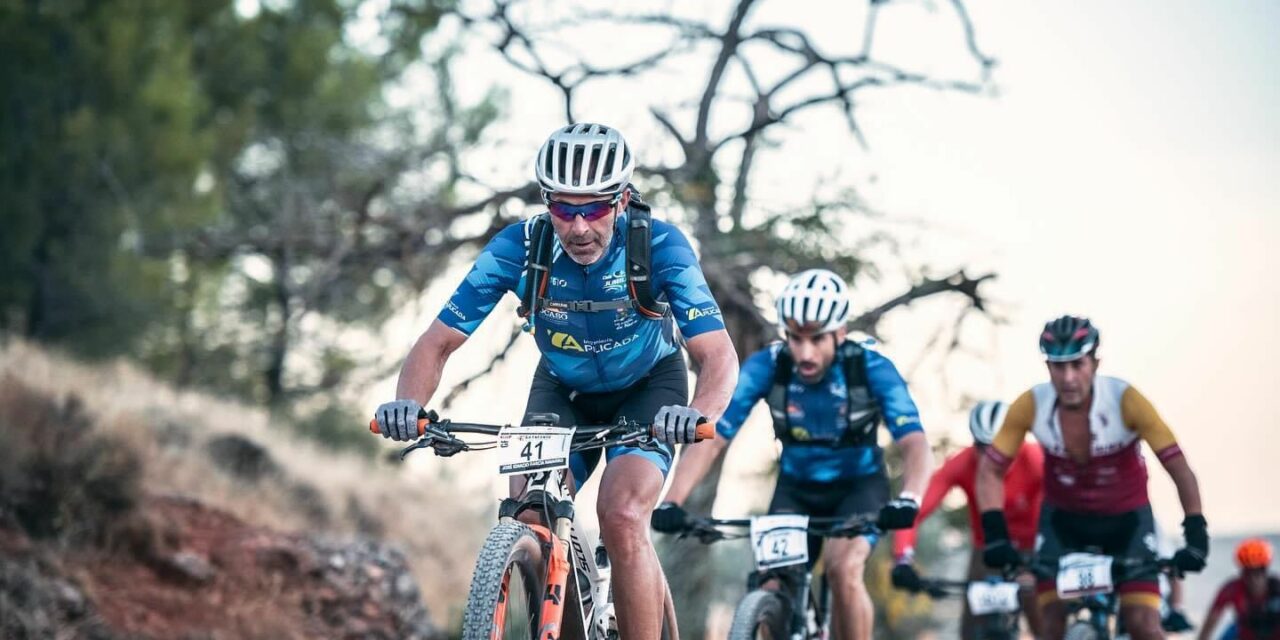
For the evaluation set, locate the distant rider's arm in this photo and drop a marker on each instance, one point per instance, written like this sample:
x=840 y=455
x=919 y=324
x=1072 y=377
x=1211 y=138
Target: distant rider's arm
x=917 y=458
x=696 y=459
x=1140 y=416
x=717 y=375
x=1215 y=614
x=717 y=372
x=994 y=460
x=903 y=420
x=942 y=481
x=420 y=375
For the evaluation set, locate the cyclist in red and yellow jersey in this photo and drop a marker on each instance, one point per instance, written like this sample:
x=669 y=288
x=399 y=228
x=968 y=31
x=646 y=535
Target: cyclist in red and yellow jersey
x=1023 y=489
x=1095 y=480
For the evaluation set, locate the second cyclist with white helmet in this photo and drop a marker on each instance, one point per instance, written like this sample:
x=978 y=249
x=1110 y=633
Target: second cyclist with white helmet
x=827 y=397
x=1023 y=494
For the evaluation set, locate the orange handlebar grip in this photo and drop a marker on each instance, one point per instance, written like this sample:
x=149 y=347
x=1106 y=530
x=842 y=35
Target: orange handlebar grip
x=705 y=431
x=422 y=426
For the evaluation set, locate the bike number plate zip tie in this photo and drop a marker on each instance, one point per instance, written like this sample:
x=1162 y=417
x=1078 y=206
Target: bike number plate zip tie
x=780 y=540
x=1084 y=574
x=992 y=597
x=529 y=449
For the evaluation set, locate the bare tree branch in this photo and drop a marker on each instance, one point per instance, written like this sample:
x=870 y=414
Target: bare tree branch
x=729 y=41
x=957 y=282
x=971 y=39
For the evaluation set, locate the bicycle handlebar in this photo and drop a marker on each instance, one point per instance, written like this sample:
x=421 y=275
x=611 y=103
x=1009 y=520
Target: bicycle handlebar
x=439 y=434
x=706 y=530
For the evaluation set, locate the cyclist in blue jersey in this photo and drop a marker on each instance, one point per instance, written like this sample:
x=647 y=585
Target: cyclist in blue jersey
x=604 y=290
x=827 y=396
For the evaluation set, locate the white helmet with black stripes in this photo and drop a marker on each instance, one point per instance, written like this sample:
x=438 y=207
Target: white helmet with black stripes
x=584 y=159
x=814 y=302
x=985 y=419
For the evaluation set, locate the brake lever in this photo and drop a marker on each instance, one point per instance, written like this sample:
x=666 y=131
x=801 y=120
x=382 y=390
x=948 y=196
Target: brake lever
x=421 y=443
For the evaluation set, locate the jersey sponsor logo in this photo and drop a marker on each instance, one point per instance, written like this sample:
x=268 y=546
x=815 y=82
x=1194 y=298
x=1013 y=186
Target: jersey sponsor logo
x=552 y=315
x=564 y=341
x=800 y=434
x=615 y=282
x=453 y=308
x=694 y=314
x=559 y=282
x=625 y=319
x=902 y=421
x=608 y=344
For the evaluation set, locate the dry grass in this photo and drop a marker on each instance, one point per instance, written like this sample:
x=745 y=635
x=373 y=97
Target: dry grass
x=319 y=491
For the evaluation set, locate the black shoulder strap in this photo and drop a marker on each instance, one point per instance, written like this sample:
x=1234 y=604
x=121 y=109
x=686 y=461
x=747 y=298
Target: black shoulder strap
x=855 y=368
x=864 y=411
x=777 y=398
x=538 y=265
x=640 y=259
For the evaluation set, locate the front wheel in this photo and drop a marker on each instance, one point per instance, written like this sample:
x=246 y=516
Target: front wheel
x=1080 y=630
x=761 y=614
x=506 y=588
x=996 y=626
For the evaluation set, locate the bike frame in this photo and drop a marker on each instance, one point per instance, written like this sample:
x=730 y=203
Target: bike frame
x=591 y=586
x=797 y=583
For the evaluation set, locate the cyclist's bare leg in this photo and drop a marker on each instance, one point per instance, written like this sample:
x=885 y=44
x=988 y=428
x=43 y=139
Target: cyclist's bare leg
x=1027 y=600
x=852 y=615
x=977 y=571
x=1053 y=616
x=628 y=492
x=1141 y=622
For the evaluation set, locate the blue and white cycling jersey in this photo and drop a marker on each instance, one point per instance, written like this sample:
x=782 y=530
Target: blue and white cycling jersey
x=598 y=351
x=821 y=409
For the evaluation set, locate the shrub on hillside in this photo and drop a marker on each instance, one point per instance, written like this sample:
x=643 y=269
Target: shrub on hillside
x=58 y=476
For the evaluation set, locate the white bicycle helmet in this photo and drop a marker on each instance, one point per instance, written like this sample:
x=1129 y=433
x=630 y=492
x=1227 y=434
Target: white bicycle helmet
x=985 y=419
x=814 y=302
x=584 y=159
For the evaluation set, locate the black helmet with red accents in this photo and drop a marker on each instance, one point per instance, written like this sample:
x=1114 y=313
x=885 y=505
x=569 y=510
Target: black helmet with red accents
x=1068 y=338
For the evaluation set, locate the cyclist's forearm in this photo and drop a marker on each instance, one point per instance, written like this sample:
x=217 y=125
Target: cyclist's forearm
x=695 y=460
x=1210 y=624
x=1184 y=479
x=423 y=367
x=717 y=374
x=989 y=485
x=917 y=459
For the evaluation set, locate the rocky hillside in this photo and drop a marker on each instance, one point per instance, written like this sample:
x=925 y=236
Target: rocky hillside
x=131 y=510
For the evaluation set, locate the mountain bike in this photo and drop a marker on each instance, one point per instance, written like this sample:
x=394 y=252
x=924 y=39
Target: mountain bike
x=994 y=603
x=1086 y=580
x=522 y=585
x=782 y=600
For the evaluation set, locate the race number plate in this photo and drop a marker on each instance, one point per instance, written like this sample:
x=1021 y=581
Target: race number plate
x=530 y=449
x=993 y=597
x=780 y=540
x=1083 y=574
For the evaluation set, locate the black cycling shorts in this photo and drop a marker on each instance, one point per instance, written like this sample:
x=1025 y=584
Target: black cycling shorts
x=840 y=498
x=667 y=383
x=1129 y=536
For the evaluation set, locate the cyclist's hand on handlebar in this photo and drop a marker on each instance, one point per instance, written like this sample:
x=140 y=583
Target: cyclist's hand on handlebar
x=998 y=552
x=1191 y=558
x=677 y=424
x=899 y=513
x=398 y=419
x=904 y=576
x=669 y=517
